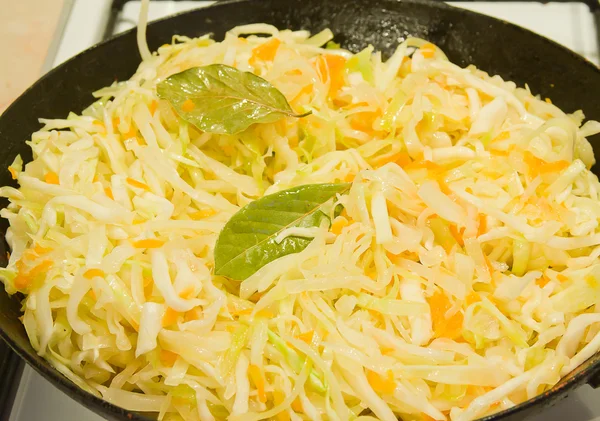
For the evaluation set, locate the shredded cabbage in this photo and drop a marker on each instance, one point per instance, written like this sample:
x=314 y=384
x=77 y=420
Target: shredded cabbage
x=462 y=277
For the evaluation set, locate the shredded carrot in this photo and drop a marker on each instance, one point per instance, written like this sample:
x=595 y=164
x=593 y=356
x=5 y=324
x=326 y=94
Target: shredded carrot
x=131 y=133
x=92 y=294
x=472 y=298
x=457 y=234
x=258 y=380
x=13 y=173
x=168 y=358
x=306 y=90
x=23 y=280
x=444 y=327
x=187 y=293
x=266 y=314
x=307 y=337
x=188 y=106
x=153 y=106
x=349 y=178
x=424 y=164
x=137 y=184
x=482 y=227
x=543 y=281
x=331 y=69
x=108 y=192
x=51 y=178
x=297 y=405
x=364 y=121
x=556 y=166
x=149 y=243
x=548 y=100
x=385 y=350
x=428 y=50
x=115 y=122
x=537 y=166
x=191 y=315
x=92 y=273
x=562 y=278
x=338 y=225
x=41 y=268
x=403 y=159
x=204 y=213
x=380 y=384
x=444 y=187
x=294 y=72
x=265 y=52
x=41 y=250
x=278 y=398
x=170 y=318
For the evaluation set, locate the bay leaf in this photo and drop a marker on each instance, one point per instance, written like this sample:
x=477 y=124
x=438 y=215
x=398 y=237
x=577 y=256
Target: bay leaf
x=222 y=99
x=248 y=240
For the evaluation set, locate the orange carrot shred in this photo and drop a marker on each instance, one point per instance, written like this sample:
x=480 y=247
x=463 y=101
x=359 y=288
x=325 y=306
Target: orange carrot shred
x=137 y=184
x=385 y=350
x=331 y=69
x=170 y=318
x=338 y=225
x=149 y=243
x=482 y=228
x=297 y=405
x=168 y=358
x=187 y=106
x=108 y=192
x=543 y=281
x=258 y=380
x=428 y=50
x=472 y=298
x=13 y=173
x=265 y=51
x=153 y=106
x=444 y=327
x=92 y=273
x=562 y=278
x=193 y=314
x=307 y=337
x=187 y=293
x=381 y=384
x=204 y=213
x=51 y=178
x=457 y=234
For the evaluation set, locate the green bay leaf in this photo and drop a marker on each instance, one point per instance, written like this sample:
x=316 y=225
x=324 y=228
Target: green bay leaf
x=225 y=100
x=247 y=241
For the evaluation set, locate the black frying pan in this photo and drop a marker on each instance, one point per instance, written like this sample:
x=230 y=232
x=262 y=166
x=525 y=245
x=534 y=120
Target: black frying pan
x=466 y=37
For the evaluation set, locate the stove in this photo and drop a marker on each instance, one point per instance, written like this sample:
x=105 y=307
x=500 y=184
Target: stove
x=88 y=22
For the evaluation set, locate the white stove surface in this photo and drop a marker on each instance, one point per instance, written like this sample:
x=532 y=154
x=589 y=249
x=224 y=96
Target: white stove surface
x=570 y=24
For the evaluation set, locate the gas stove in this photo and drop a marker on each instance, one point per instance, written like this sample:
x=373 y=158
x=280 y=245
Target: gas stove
x=572 y=24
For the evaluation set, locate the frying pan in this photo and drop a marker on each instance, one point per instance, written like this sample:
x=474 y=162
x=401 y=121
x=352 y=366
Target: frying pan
x=466 y=37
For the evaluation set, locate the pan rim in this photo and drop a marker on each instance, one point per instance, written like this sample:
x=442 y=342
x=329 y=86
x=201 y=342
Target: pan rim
x=93 y=402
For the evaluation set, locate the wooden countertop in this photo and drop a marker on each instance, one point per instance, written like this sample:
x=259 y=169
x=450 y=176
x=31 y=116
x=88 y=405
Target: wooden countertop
x=27 y=30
